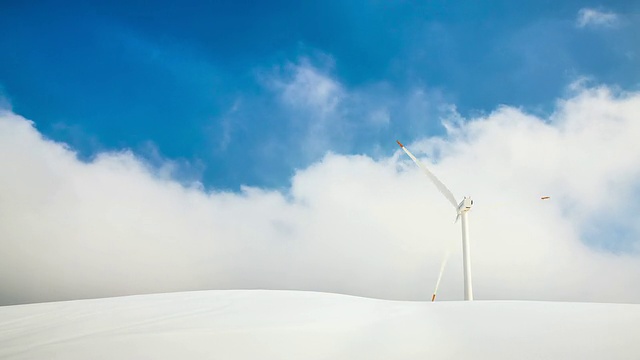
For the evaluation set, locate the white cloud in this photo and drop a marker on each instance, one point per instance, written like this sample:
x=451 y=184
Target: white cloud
x=596 y=18
x=324 y=113
x=348 y=224
x=309 y=88
x=312 y=101
x=380 y=117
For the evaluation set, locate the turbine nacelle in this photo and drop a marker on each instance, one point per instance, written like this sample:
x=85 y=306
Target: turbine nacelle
x=465 y=205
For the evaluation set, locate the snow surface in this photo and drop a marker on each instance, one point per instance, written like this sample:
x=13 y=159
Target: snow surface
x=306 y=325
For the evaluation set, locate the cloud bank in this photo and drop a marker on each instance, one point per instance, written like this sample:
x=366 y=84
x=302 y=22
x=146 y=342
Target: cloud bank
x=349 y=223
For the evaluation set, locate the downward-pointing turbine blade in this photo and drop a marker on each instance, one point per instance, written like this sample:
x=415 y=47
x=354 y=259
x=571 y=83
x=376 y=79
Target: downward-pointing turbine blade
x=441 y=187
x=445 y=259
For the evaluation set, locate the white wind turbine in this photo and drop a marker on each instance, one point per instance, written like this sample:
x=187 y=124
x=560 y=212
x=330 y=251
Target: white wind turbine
x=462 y=209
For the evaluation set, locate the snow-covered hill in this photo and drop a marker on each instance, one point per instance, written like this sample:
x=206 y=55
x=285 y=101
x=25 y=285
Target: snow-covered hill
x=307 y=325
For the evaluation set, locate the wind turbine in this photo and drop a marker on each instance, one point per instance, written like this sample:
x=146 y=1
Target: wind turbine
x=462 y=209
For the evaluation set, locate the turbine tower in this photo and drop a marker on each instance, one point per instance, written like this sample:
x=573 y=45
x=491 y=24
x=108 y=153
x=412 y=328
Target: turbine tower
x=462 y=209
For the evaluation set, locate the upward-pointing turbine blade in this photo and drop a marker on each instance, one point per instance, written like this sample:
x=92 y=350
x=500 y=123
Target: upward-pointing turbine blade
x=441 y=187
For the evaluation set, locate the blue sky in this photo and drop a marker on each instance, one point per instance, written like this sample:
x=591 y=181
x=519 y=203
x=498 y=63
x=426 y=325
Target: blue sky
x=209 y=85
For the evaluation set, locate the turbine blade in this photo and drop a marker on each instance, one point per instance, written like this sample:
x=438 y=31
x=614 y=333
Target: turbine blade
x=441 y=187
x=443 y=264
x=457 y=218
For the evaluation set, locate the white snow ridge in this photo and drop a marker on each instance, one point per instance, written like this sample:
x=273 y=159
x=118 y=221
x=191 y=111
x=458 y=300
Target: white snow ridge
x=306 y=325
